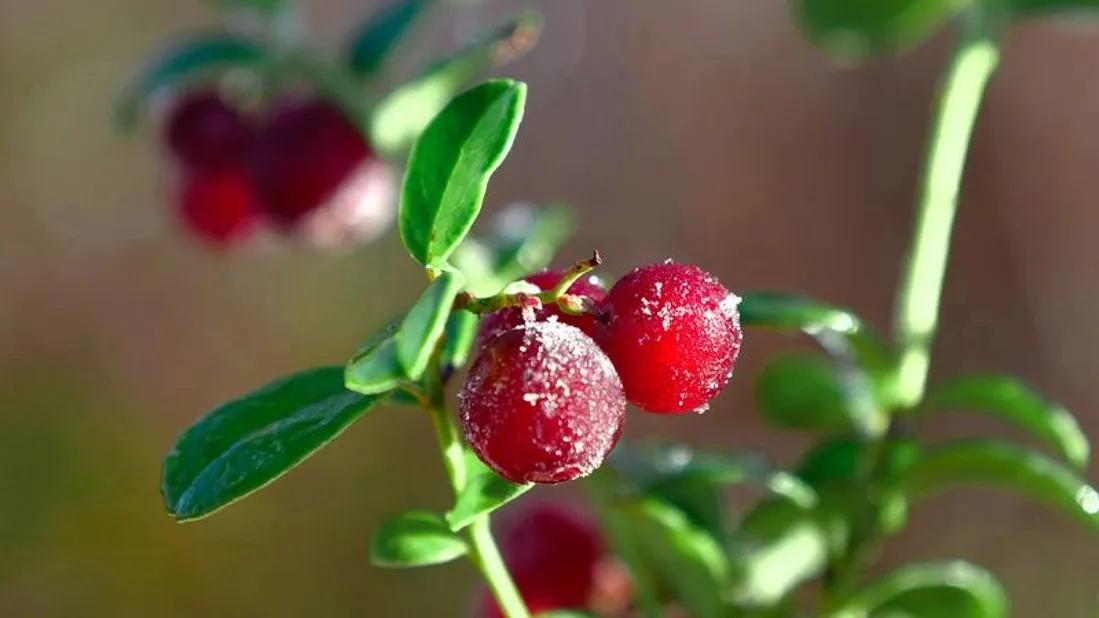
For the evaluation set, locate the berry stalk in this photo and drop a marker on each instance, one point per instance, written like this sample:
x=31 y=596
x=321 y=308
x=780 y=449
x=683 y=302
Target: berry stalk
x=557 y=295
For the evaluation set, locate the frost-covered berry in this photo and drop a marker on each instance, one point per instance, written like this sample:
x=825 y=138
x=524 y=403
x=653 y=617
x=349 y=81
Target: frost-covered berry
x=508 y=318
x=542 y=403
x=673 y=332
x=219 y=206
x=203 y=131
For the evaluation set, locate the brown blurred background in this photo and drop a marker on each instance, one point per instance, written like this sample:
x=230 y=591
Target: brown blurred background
x=700 y=129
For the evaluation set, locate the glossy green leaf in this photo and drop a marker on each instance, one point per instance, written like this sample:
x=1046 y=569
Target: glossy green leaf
x=399 y=119
x=416 y=538
x=833 y=460
x=779 y=546
x=244 y=444
x=375 y=367
x=200 y=54
x=376 y=39
x=1004 y=466
x=1011 y=400
x=952 y=589
x=685 y=558
x=485 y=491
x=461 y=336
x=425 y=323
x=799 y=390
x=851 y=30
x=451 y=164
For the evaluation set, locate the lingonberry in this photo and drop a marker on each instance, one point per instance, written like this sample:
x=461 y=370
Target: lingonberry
x=205 y=132
x=673 y=332
x=303 y=154
x=219 y=206
x=542 y=403
x=508 y=318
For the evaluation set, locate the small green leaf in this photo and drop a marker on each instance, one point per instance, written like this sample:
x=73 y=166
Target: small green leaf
x=399 y=119
x=687 y=559
x=779 y=546
x=854 y=30
x=485 y=491
x=1004 y=466
x=1013 y=401
x=952 y=589
x=425 y=323
x=461 y=335
x=834 y=460
x=375 y=367
x=247 y=443
x=799 y=390
x=212 y=51
x=376 y=39
x=415 y=538
x=451 y=164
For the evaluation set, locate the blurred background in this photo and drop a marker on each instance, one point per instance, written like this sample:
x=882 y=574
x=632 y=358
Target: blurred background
x=704 y=130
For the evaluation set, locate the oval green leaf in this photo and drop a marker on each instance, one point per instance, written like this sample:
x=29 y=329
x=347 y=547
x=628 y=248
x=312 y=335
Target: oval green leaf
x=952 y=589
x=450 y=166
x=213 y=51
x=1011 y=400
x=401 y=117
x=425 y=323
x=415 y=539
x=247 y=443
x=372 y=43
x=375 y=367
x=799 y=390
x=779 y=545
x=1004 y=466
x=484 y=492
x=461 y=335
x=851 y=31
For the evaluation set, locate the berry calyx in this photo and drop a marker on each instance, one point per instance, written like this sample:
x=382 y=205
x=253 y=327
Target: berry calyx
x=508 y=318
x=219 y=206
x=203 y=131
x=542 y=404
x=673 y=332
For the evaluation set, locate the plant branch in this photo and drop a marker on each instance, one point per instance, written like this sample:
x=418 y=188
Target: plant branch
x=568 y=303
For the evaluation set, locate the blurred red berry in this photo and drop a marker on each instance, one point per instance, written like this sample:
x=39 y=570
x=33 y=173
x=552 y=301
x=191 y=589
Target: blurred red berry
x=205 y=132
x=673 y=333
x=542 y=404
x=510 y=317
x=219 y=206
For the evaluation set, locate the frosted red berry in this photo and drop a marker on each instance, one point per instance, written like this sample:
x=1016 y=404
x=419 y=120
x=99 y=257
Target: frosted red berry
x=203 y=131
x=673 y=332
x=303 y=154
x=542 y=403
x=508 y=318
x=219 y=206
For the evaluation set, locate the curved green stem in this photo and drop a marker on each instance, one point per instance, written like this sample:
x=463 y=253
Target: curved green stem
x=917 y=311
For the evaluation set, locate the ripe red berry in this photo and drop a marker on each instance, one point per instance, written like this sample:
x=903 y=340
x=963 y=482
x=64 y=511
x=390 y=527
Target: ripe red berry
x=219 y=206
x=542 y=403
x=205 y=132
x=673 y=332
x=302 y=156
x=510 y=317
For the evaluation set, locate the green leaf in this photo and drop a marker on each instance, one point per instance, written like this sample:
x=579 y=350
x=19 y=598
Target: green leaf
x=199 y=54
x=399 y=119
x=799 y=390
x=451 y=164
x=1004 y=466
x=687 y=559
x=1011 y=400
x=416 y=538
x=244 y=444
x=951 y=589
x=485 y=491
x=375 y=367
x=376 y=39
x=851 y=30
x=1028 y=8
x=425 y=323
x=834 y=460
x=779 y=546
x=461 y=335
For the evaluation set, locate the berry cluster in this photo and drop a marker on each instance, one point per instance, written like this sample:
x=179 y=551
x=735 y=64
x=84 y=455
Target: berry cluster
x=299 y=166
x=545 y=399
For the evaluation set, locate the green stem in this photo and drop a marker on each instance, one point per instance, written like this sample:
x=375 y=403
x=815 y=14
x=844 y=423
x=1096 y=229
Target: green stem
x=918 y=299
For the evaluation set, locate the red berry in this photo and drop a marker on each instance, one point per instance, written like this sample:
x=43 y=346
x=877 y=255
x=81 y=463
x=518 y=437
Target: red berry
x=510 y=317
x=302 y=156
x=219 y=206
x=673 y=332
x=542 y=403
x=205 y=132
